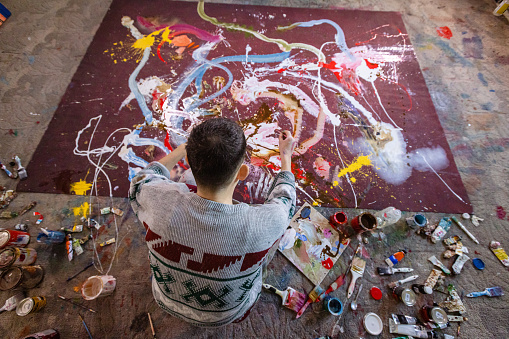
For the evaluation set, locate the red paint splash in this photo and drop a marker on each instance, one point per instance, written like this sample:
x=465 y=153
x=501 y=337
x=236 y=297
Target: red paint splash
x=444 y=32
x=370 y=64
x=501 y=213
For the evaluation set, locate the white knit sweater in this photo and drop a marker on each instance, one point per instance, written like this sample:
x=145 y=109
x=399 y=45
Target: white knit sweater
x=206 y=257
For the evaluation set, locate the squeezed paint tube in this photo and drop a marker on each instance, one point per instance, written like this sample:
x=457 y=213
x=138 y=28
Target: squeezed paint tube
x=22 y=172
x=404 y=319
x=435 y=326
x=9 y=173
x=77 y=247
x=476 y=220
x=68 y=245
x=433 y=278
x=452 y=240
x=40 y=219
x=107 y=242
x=74 y=229
x=499 y=252
x=453 y=303
x=28 y=207
x=443 y=227
x=106 y=210
x=458 y=264
x=438 y=263
x=416 y=331
x=117 y=211
x=456 y=318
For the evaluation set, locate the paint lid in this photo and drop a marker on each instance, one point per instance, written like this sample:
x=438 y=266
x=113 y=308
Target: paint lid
x=478 y=263
x=7 y=257
x=10 y=278
x=438 y=315
x=373 y=324
x=408 y=297
x=4 y=238
x=25 y=306
x=376 y=293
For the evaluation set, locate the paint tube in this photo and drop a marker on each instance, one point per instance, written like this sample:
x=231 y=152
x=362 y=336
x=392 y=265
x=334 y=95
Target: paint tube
x=453 y=303
x=404 y=319
x=443 y=227
x=499 y=252
x=438 y=263
x=107 y=242
x=458 y=264
x=68 y=245
x=77 y=247
x=106 y=210
x=433 y=278
x=416 y=331
x=452 y=240
x=395 y=258
x=117 y=211
x=74 y=229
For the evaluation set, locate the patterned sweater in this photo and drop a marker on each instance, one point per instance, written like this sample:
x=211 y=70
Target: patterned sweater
x=207 y=257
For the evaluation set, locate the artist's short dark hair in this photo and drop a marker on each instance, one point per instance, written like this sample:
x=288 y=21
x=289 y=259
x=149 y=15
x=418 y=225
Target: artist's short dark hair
x=215 y=151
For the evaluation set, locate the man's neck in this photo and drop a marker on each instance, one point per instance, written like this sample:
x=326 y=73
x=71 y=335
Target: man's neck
x=223 y=196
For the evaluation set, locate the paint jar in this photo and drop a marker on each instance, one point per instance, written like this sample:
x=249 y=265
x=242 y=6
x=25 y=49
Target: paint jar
x=30 y=305
x=435 y=314
x=406 y=295
x=98 y=286
x=337 y=220
x=364 y=222
x=333 y=305
x=51 y=237
x=418 y=220
x=17 y=257
x=14 y=238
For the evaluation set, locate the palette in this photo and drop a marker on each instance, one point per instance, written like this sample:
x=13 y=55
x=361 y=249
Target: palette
x=311 y=244
x=345 y=82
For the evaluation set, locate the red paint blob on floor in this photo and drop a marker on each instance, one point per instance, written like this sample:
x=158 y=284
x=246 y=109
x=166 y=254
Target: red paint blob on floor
x=444 y=32
x=501 y=213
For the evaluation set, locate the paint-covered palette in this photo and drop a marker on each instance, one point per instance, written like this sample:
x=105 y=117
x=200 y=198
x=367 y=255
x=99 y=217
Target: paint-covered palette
x=311 y=244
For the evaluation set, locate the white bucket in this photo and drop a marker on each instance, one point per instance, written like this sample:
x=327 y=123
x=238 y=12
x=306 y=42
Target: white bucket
x=98 y=286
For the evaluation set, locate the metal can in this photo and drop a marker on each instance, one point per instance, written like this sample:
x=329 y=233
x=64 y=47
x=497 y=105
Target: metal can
x=30 y=305
x=364 y=222
x=14 y=238
x=406 y=295
x=435 y=314
x=14 y=256
x=47 y=334
x=23 y=276
x=10 y=278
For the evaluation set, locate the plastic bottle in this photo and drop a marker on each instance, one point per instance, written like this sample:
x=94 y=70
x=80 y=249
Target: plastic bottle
x=388 y=216
x=395 y=258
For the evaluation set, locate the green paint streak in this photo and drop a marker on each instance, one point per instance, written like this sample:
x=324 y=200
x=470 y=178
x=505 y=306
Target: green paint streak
x=283 y=45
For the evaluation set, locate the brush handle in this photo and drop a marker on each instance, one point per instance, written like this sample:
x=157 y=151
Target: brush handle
x=411 y=278
x=478 y=294
x=276 y=291
x=352 y=285
x=402 y=270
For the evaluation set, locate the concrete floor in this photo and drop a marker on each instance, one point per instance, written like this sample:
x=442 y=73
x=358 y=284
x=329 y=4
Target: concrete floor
x=41 y=46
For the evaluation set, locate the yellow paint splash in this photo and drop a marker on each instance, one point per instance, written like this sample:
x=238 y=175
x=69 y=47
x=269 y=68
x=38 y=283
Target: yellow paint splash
x=81 y=187
x=352 y=179
x=363 y=160
x=147 y=41
x=81 y=211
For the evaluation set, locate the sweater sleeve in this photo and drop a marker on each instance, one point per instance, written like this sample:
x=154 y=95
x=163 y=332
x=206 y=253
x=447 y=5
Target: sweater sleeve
x=282 y=193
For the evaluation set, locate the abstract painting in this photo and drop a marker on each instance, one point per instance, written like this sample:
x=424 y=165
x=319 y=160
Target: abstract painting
x=347 y=84
x=311 y=244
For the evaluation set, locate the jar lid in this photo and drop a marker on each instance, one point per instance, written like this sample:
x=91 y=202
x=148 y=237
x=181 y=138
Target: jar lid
x=373 y=324
x=408 y=297
x=4 y=238
x=478 y=263
x=7 y=257
x=25 y=306
x=376 y=293
x=439 y=316
x=10 y=278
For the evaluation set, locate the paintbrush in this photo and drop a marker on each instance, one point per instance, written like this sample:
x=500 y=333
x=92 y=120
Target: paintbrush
x=490 y=292
x=391 y=270
x=357 y=270
x=291 y=298
x=151 y=326
x=76 y=304
x=86 y=327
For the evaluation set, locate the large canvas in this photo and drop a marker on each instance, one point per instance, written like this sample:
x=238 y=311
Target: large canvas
x=311 y=244
x=346 y=83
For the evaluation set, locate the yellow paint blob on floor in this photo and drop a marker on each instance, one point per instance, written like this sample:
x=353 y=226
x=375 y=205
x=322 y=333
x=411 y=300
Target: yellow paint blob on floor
x=81 y=211
x=81 y=187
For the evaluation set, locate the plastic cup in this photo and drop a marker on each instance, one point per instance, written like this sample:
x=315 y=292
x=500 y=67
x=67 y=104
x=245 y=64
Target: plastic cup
x=98 y=286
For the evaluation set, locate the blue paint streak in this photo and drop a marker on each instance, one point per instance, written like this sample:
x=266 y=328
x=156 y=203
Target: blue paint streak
x=487 y=106
x=340 y=35
x=451 y=53
x=4 y=80
x=31 y=59
x=481 y=78
x=133 y=86
x=465 y=95
x=492 y=90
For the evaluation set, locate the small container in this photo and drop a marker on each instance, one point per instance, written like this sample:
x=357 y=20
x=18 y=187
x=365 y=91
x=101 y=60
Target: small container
x=333 y=305
x=418 y=220
x=98 y=286
x=32 y=276
x=17 y=257
x=364 y=222
x=47 y=334
x=434 y=314
x=14 y=238
x=406 y=295
x=30 y=305
x=338 y=219
x=373 y=324
x=423 y=289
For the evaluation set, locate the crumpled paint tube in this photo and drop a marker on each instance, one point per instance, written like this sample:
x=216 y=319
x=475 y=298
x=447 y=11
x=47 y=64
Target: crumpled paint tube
x=497 y=249
x=433 y=278
x=443 y=227
x=458 y=264
x=439 y=264
x=453 y=303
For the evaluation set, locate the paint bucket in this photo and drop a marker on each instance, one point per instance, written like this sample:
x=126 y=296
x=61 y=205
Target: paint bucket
x=14 y=238
x=418 y=220
x=17 y=257
x=98 y=286
x=30 y=305
x=338 y=219
x=364 y=222
x=333 y=305
x=51 y=237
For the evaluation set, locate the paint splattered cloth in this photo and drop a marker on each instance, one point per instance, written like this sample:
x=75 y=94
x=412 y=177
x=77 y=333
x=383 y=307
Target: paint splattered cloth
x=207 y=257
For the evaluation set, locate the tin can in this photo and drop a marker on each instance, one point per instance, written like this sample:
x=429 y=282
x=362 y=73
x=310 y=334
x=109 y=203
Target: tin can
x=435 y=314
x=14 y=256
x=14 y=238
x=30 y=305
x=364 y=222
x=10 y=278
x=406 y=295
x=47 y=334
x=338 y=219
x=23 y=276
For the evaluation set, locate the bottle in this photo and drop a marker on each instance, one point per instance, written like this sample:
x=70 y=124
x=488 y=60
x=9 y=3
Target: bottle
x=395 y=258
x=388 y=216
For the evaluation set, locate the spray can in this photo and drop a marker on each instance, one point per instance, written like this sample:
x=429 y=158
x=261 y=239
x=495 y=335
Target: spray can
x=30 y=305
x=395 y=258
x=14 y=238
x=47 y=334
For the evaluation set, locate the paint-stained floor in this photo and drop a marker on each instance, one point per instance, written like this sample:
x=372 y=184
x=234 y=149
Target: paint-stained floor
x=464 y=66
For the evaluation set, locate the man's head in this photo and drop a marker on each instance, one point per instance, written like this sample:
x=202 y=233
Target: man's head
x=215 y=151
